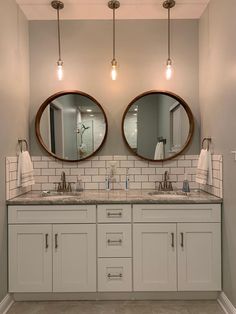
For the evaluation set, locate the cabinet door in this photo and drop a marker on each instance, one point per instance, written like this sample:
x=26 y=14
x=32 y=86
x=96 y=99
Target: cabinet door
x=30 y=258
x=199 y=257
x=74 y=258
x=155 y=257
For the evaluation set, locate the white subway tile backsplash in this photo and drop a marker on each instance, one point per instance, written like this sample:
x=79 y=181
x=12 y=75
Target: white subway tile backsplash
x=148 y=170
x=141 y=178
x=91 y=186
x=140 y=163
x=47 y=172
x=77 y=171
x=37 y=172
x=177 y=171
x=148 y=185
x=91 y=171
x=42 y=179
x=127 y=163
x=120 y=157
x=184 y=163
x=142 y=174
x=135 y=170
x=98 y=164
x=41 y=164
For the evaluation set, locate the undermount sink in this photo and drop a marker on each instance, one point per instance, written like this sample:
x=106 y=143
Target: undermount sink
x=55 y=194
x=168 y=193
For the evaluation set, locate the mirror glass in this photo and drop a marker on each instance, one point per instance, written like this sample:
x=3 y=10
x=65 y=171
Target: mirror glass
x=71 y=126
x=157 y=125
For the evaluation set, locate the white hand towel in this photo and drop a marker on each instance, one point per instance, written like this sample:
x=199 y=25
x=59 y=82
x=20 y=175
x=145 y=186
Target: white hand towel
x=204 y=168
x=25 y=171
x=159 y=151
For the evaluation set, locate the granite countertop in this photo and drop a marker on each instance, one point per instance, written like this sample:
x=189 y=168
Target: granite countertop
x=116 y=196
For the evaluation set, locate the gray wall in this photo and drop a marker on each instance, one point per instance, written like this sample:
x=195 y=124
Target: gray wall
x=87 y=53
x=14 y=105
x=218 y=113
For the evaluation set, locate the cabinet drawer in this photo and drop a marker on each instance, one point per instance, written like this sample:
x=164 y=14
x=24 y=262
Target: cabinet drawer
x=114 y=213
x=114 y=240
x=177 y=213
x=51 y=214
x=114 y=274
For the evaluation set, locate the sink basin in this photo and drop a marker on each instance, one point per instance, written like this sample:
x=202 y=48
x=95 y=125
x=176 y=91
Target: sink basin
x=168 y=193
x=55 y=194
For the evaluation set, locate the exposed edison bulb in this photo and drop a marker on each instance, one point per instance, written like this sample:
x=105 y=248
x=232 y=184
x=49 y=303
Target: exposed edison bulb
x=60 y=70
x=169 y=69
x=113 y=70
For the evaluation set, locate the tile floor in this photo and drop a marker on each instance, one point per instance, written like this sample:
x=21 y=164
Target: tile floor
x=117 y=307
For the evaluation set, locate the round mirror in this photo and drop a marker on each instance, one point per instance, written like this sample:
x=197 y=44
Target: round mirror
x=71 y=126
x=157 y=125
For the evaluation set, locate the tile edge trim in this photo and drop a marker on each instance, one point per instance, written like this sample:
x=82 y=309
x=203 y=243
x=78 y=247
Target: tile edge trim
x=6 y=304
x=226 y=304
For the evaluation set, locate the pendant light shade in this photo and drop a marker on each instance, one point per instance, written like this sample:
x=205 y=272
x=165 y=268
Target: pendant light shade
x=114 y=4
x=169 y=4
x=58 y=5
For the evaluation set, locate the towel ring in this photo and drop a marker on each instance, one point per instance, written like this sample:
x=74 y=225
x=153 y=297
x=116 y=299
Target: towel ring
x=208 y=140
x=21 y=142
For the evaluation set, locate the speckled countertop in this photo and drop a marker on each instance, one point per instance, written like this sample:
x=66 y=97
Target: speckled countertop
x=116 y=196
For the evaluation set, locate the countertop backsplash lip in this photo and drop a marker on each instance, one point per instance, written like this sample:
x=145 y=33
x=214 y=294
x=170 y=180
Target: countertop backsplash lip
x=142 y=173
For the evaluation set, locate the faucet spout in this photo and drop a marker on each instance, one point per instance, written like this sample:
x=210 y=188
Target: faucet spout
x=63 y=180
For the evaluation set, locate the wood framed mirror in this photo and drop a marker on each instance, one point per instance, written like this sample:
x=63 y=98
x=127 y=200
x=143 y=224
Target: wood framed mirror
x=157 y=125
x=71 y=126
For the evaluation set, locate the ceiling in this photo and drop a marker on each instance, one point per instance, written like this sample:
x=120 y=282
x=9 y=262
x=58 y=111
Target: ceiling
x=97 y=9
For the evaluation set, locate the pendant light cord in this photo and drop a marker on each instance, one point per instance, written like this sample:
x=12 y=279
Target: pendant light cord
x=59 y=33
x=114 y=33
x=169 y=26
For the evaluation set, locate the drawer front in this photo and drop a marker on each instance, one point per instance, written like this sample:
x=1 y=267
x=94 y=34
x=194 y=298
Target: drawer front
x=114 y=213
x=51 y=214
x=177 y=213
x=114 y=274
x=114 y=240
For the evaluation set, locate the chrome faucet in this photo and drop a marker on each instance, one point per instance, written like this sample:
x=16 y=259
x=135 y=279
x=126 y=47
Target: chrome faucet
x=166 y=184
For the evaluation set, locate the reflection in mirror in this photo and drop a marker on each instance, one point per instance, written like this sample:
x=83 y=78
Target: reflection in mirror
x=71 y=126
x=158 y=125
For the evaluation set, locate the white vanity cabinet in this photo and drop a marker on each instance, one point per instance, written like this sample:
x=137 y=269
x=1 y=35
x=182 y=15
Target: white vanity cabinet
x=178 y=256
x=103 y=248
x=52 y=257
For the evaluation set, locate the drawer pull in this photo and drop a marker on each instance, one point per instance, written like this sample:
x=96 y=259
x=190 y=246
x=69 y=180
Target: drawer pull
x=110 y=276
x=172 y=239
x=114 y=241
x=182 y=239
x=111 y=215
x=56 y=241
x=46 y=241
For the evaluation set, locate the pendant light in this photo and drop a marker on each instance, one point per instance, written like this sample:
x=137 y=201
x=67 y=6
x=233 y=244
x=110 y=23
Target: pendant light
x=114 y=5
x=58 y=5
x=169 y=4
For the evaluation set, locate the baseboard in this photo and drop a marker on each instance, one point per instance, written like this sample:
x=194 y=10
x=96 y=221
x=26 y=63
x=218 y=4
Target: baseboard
x=225 y=303
x=6 y=304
